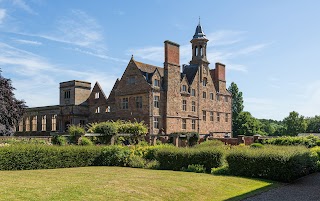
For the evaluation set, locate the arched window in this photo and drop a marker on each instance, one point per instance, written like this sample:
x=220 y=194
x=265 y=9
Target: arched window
x=201 y=51
x=195 y=51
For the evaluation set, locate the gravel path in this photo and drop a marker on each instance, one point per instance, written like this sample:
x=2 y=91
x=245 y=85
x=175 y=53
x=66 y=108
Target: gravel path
x=303 y=189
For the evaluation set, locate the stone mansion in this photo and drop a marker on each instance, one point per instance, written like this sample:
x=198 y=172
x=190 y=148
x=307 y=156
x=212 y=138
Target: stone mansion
x=172 y=98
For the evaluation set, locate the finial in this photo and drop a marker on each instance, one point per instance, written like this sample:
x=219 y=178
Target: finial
x=199 y=20
x=132 y=56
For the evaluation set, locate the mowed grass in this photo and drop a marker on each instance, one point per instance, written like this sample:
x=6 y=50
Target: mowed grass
x=119 y=183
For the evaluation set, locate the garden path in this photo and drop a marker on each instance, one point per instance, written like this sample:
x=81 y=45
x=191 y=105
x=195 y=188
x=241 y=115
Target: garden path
x=303 y=189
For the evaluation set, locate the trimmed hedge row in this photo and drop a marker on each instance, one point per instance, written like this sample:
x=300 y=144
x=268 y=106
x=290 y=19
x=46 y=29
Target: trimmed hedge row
x=27 y=157
x=178 y=158
x=272 y=162
x=308 y=141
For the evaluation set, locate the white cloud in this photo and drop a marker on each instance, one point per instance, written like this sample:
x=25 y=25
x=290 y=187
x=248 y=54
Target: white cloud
x=78 y=28
x=101 y=56
x=24 y=6
x=35 y=77
x=28 y=42
x=224 y=37
x=215 y=50
x=148 y=53
x=2 y=15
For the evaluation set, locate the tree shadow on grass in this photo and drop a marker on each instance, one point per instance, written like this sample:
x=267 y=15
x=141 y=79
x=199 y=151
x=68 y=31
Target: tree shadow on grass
x=273 y=185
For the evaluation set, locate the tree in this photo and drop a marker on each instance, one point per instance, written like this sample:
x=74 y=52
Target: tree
x=294 y=124
x=248 y=125
x=313 y=124
x=272 y=127
x=11 y=109
x=237 y=107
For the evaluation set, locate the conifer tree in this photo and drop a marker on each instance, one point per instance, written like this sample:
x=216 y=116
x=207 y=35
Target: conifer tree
x=237 y=107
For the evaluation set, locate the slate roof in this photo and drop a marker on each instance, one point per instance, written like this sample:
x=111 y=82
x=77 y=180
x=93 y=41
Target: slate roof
x=199 y=34
x=147 y=68
x=190 y=71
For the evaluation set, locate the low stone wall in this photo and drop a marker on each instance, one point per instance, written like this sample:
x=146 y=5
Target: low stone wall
x=241 y=139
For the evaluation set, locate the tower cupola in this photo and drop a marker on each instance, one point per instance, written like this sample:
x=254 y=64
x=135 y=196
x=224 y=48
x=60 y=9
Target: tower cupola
x=199 y=46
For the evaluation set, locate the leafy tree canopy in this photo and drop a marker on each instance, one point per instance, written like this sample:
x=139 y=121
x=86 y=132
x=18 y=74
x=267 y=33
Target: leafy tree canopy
x=295 y=124
x=11 y=109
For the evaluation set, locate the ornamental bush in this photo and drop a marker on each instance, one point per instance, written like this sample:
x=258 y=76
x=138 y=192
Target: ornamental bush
x=84 y=141
x=177 y=158
x=59 y=140
x=283 y=163
x=75 y=133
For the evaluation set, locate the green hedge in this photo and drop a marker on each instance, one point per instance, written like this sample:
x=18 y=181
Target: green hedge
x=308 y=141
x=113 y=156
x=27 y=157
x=178 y=158
x=272 y=162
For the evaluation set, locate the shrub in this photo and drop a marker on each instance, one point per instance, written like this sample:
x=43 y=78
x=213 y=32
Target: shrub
x=309 y=141
x=59 y=140
x=85 y=141
x=273 y=162
x=137 y=161
x=318 y=143
x=177 y=158
x=75 y=133
x=194 y=168
x=113 y=156
x=210 y=143
x=223 y=170
x=256 y=145
x=27 y=157
x=152 y=165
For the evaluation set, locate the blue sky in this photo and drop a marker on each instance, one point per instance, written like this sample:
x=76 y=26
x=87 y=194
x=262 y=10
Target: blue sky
x=270 y=48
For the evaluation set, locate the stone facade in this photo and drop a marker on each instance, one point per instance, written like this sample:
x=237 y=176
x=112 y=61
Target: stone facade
x=172 y=98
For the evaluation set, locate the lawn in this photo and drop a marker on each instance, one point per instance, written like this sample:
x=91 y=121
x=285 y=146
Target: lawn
x=119 y=183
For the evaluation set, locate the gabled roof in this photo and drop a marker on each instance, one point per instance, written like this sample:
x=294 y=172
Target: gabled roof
x=100 y=89
x=147 y=68
x=111 y=97
x=190 y=71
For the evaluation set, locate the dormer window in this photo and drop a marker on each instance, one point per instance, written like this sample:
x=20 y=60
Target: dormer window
x=96 y=95
x=156 y=83
x=184 y=88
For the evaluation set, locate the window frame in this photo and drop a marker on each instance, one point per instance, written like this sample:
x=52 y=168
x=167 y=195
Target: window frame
x=204 y=115
x=193 y=106
x=156 y=122
x=193 y=124
x=184 y=105
x=156 y=100
x=138 y=102
x=125 y=103
x=204 y=95
x=183 y=124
